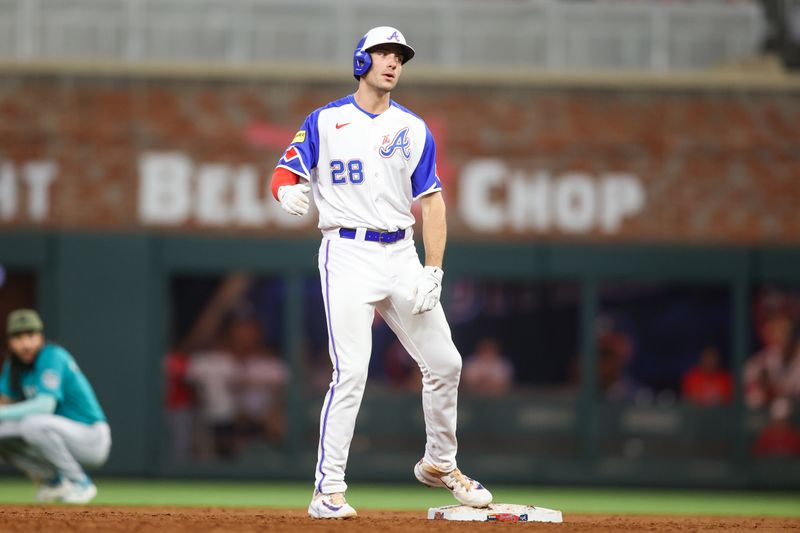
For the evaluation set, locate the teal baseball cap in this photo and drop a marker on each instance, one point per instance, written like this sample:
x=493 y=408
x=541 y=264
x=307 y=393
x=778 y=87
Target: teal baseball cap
x=23 y=321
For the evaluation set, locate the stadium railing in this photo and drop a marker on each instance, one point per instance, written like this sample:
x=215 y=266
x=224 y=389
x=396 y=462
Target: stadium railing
x=541 y=34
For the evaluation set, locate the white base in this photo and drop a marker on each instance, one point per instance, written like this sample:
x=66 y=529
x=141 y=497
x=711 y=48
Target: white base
x=499 y=512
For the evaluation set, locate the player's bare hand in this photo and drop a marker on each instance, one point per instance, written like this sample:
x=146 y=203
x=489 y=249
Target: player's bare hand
x=428 y=290
x=294 y=198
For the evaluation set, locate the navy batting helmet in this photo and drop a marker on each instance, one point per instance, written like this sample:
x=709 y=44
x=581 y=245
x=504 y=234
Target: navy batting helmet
x=380 y=35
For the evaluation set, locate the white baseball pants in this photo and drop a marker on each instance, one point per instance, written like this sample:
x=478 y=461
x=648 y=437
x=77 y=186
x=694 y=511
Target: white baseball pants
x=44 y=445
x=358 y=278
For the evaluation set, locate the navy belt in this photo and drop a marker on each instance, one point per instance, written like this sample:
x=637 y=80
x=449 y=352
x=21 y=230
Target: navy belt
x=386 y=237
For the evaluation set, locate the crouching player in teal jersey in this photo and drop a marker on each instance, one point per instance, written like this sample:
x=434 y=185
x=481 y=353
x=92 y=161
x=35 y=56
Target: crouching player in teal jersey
x=51 y=425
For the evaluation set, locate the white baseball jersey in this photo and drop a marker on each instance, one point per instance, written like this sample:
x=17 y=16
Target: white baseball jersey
x=364 y=169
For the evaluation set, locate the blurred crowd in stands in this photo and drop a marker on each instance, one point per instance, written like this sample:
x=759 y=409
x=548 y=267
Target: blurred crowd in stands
x=656 y=346
x=227 y=376
x=221 y=399
x=225 y=381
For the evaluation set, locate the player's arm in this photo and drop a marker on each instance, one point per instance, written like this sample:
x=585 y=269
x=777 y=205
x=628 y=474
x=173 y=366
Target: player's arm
x=434 y=236
x=41 y=404
x=10 y=409
x=434 y=228
x=48 y=385
x=427 y=188
x=294 y=166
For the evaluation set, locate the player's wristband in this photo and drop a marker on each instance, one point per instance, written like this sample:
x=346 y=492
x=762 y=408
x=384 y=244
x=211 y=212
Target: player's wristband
x=435 y=271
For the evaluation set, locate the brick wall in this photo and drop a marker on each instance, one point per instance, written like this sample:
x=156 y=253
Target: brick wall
x=712 y=166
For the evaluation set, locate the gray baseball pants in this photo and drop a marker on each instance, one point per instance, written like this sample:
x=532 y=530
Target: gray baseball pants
x=45 y=445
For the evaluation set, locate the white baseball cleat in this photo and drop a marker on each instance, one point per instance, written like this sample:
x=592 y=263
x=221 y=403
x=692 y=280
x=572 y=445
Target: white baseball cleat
x=466 y=490
x=330 y=506
x=79 y=492
x=50 y=490
x=66 y=491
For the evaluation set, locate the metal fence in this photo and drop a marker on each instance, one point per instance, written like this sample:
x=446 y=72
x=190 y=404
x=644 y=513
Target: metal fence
x=544 y=34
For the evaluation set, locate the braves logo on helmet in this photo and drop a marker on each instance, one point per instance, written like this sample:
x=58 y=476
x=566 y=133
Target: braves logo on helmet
x=399 y=142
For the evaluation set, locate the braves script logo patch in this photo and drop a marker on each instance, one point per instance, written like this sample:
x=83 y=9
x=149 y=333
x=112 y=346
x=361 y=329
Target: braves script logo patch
x=399 y=142
x=299 y=137
x=50 y=380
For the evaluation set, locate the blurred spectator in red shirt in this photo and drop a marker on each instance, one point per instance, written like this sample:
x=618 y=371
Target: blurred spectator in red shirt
x=774 y=372
x=779 y=438
x=179 y=404
x=487 y=371
x=707 y=383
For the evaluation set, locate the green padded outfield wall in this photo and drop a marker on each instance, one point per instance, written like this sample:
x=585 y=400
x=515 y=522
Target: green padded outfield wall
x=103 y=297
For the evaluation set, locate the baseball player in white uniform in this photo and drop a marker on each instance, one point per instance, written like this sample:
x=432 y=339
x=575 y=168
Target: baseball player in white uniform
x=366 y=159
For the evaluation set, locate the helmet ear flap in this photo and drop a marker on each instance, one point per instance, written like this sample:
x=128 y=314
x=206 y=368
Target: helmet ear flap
x=361 y=63
x=361 y=59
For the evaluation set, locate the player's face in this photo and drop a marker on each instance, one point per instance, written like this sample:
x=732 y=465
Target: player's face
x=387 y=63
x=26 y=345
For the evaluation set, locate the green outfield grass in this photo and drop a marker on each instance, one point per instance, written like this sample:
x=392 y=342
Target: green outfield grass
x=409 y=497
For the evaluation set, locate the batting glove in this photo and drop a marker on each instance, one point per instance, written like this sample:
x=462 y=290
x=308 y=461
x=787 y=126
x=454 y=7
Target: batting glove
x=294 y=198
x=428 y=290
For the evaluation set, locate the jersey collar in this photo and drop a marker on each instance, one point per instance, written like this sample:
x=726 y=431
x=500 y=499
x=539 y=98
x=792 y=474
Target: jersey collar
x=352 y=98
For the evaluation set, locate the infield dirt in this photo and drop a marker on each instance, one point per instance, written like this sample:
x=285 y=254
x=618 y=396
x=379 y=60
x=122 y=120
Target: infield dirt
x=28 y=518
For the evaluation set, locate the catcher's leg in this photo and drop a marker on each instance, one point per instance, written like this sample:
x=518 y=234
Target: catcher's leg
x=18 y=453
x=67 y=444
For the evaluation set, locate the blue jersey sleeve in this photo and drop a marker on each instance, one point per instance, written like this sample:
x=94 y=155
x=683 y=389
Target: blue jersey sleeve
x=5 y=379
x=424 y=179
x=303 y=153
x=50 y=369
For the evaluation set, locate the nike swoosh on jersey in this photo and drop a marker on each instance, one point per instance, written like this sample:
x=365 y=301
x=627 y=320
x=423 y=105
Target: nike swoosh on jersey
x=340 y=126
